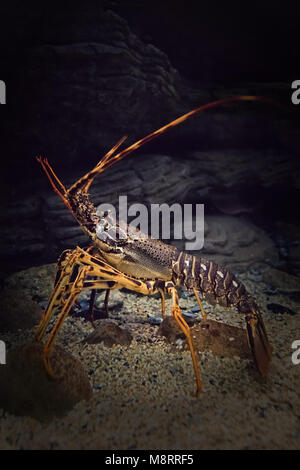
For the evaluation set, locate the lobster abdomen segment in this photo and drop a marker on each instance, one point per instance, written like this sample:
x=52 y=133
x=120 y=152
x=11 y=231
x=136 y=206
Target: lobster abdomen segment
x=215 y=283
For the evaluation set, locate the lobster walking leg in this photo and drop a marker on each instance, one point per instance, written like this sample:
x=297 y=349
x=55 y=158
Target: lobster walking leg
x=105 y=307
x=76 y=288
x=163 y=301
x=82 y=272
x=176 y=312
x=106 y=301
x=91 y=308
x=204 y=314
x=64 y=275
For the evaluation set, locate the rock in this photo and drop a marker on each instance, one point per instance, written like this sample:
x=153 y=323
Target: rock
x=234 y=243
x=289 y=231
x=294 y=259
x=195 y=309
x=17 y=311
x=238 y=169
x=170 y=330
x=277 y=308
x=284 y=282
x=209 y=335
x=98 y=81
x=99 y=72
x=190 y=317
x=109 y=333
x=27 y=390
x=220 y=338
x=35 y=283
x=155 y=320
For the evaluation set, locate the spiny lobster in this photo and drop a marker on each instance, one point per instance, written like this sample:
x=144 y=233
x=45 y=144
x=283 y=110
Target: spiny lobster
x=142 y=264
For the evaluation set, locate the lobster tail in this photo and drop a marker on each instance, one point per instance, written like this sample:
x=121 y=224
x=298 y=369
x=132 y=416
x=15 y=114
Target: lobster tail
x=217 y=285
x=258 y=342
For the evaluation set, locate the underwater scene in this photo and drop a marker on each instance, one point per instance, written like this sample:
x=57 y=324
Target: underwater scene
x=150 y=232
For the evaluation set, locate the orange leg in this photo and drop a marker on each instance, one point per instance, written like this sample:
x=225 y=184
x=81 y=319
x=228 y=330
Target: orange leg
x=88 y=273
x=82 y=271
x=204 y=314
x=163 y=302
x=176 y=312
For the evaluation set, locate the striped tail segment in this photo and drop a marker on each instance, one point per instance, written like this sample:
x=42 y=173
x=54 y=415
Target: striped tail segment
x=215 y=283
x=218 y=286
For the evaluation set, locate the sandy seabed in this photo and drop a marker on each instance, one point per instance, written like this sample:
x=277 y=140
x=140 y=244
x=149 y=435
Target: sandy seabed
x=143 y=393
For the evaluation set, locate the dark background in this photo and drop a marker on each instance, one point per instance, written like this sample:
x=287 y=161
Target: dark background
x=221 y=42
x=81 y=75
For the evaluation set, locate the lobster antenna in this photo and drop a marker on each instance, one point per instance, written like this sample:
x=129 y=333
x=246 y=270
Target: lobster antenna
x=52 y=176
x=85 y=182
x=110 y=159
x=103 y=160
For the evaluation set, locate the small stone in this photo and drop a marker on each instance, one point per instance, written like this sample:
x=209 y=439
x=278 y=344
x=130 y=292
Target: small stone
x=109 y=333
x=185 y=294
x=222 y=339
x=170 y=330
x=190 y=317
x=155 y=320
x=195 y=309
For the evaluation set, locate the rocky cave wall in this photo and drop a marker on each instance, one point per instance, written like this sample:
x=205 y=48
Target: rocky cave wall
x=84 y=80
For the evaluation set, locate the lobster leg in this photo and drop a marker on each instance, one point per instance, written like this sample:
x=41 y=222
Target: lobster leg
x=72 y=280
x=163 y=302
x=91 y=308
x=176 y=313
x=63 y=314
x=64 y=275
x=204 y=314
x=74 y=290
x=67 y=268
x=105 y=307
x=106 y=301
